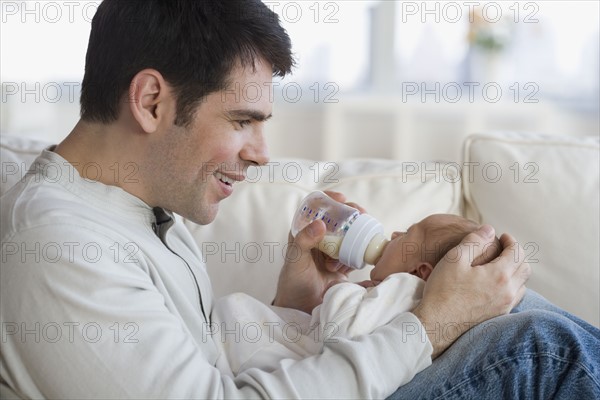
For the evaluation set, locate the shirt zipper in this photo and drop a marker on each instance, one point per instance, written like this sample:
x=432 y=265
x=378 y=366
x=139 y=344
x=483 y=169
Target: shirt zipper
x=155 y=229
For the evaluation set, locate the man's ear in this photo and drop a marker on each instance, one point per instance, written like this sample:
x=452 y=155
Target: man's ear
x=423 y=270
x=148 y=95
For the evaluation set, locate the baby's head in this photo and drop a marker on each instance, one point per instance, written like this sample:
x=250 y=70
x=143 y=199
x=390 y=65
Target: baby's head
x=424 y=244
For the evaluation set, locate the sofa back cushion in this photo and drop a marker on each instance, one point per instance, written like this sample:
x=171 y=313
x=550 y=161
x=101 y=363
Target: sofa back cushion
x=545 y=191
x=245 y=246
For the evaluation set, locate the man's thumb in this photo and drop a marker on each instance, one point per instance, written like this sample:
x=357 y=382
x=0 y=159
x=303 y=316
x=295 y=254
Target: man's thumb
x=310 y=236
x=475 y=244
x=485 y=231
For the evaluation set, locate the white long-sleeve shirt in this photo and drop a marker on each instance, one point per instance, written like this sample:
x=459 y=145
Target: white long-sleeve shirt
x=269 y=334
x=102 y=296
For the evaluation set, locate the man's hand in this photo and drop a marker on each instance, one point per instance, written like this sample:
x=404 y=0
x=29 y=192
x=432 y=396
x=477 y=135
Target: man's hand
x=307 y=272
x=458 y=296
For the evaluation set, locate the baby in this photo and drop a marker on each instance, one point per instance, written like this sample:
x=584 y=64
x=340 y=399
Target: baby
x=261 y=336
x=424 y=244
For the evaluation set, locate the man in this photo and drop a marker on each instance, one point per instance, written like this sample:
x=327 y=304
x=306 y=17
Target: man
x=165 y=131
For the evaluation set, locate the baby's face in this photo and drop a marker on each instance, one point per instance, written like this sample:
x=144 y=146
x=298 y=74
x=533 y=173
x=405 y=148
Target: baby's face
x=405 y=252
x=402 y=254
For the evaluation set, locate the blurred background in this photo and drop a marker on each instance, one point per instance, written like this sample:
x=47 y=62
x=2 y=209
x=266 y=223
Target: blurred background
x=402 y=80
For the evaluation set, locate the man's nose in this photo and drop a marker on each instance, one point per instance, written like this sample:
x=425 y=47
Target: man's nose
x=255 y=150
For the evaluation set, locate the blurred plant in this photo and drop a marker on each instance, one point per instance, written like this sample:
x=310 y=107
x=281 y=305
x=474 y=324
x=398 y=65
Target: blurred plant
x=487 y=36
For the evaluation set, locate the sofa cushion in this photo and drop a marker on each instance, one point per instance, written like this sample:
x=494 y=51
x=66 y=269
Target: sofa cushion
x=245 y=246
x=544 y=190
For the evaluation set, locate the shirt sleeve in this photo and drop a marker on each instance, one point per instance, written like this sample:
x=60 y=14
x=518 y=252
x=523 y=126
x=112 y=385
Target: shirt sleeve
x=350 y=310
x=84 y=324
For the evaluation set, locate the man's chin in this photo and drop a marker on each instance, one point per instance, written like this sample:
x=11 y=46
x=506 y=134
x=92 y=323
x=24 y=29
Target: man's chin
x=203 y=216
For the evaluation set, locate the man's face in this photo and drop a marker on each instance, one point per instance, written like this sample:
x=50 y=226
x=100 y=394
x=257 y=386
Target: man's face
x=196 y=166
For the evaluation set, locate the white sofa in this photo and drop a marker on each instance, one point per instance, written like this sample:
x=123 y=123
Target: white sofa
x=542 y=189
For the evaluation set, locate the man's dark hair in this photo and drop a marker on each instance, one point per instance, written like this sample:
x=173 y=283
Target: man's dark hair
x=194 y=44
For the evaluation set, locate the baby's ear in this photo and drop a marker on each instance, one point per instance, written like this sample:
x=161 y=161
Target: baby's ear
x=423 y=270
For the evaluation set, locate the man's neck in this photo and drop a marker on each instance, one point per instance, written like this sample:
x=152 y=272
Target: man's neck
x=104 y=153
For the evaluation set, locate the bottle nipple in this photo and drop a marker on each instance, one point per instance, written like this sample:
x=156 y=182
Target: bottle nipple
x=375 y=249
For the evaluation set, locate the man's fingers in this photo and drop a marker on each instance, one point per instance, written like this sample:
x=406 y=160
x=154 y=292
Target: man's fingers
x=333 y=283
x=512 y=262
x=519 y=297
x=359 y=208
x=522 y=273
x=344 y=269
x=472 y=246
x=332 y=265
x=512 y=253
x=337 y=196
x=507 y=240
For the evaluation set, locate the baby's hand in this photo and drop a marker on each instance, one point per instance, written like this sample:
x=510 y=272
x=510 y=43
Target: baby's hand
x=368 y=283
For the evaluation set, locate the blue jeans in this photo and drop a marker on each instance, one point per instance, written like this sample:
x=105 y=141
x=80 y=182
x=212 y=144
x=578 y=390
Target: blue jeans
x=537 y=352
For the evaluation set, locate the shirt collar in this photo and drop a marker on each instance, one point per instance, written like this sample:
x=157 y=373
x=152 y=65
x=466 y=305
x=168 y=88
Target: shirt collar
x=53 y=168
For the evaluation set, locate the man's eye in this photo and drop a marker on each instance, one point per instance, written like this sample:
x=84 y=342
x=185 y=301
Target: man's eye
x=244 y=122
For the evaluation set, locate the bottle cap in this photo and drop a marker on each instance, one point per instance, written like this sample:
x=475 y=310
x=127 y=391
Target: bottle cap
x=358 y=237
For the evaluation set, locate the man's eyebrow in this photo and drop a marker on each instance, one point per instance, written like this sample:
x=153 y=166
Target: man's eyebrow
x=248 y=114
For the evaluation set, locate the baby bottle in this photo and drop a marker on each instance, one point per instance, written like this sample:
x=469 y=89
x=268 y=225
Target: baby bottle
x=355 y=239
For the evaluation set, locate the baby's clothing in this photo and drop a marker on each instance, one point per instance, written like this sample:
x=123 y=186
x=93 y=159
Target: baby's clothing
x=253 y=334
